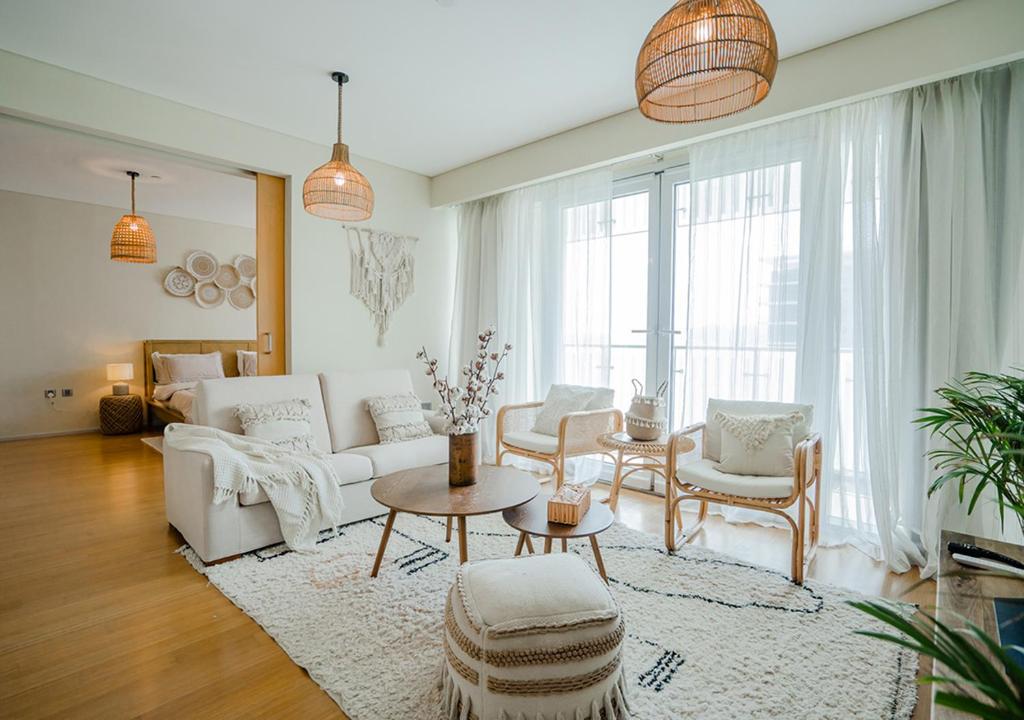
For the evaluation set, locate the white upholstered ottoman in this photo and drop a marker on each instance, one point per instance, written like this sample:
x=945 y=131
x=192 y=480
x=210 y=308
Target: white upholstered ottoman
x=537 y=637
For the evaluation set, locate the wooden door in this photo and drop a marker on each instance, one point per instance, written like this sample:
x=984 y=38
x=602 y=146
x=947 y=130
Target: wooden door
x=270 y=274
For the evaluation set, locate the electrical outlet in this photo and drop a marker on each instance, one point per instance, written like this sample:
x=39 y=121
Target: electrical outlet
x=426 y=405
x=50 y=394
x=67 y=392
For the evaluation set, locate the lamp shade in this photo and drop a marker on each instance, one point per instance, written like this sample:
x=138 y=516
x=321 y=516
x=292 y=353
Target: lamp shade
x=132 y=240
x=338 y=191
x=705 y=59
x=120 y=371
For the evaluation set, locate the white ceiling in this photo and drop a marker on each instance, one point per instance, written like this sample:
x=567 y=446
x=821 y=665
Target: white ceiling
x=41 y=160
x=435 y=83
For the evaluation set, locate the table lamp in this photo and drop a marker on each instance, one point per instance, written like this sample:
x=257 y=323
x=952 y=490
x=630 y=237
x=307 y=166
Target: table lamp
x=120 y=371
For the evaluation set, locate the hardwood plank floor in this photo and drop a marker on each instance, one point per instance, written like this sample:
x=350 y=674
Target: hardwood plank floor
x=100 y=619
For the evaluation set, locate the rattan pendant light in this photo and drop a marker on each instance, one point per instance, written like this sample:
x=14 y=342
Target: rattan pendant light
x=705 y=59
x=132 y=240
x=336 y=190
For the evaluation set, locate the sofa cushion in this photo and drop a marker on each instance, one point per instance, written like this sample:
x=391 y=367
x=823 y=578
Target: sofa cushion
x=397 y=456
x=702 y=473
x=284 y=423
x=529 y=440
x=345 y=393
x=560 y=401
x=757 y=444
x=216 y=401
x=350 y=469
x=398 y=417
x=712 y=435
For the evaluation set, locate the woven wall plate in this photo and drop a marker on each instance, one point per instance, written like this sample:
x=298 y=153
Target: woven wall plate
x=227 y=277
x=241 y=297
x=179 y=283
x=208 y=295
x=202 y=265
x=246 y=266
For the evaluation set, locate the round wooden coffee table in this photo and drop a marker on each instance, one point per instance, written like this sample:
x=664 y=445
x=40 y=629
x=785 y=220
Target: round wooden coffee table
x=532 y=519
x=425 y=491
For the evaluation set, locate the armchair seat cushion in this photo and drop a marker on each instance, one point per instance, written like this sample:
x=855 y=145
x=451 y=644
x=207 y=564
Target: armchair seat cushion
x=392 y=457
x=534 y=441
x=350 y=469
x=702 y=473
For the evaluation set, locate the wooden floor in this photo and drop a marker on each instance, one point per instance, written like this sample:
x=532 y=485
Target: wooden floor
x=100 y=619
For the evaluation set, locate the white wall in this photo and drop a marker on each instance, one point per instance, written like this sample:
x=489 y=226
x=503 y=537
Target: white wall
x=67 y=309
x=327 y=328
x=946 y=41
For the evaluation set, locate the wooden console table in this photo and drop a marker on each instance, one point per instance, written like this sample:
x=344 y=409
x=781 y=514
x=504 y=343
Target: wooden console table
x=970 y=596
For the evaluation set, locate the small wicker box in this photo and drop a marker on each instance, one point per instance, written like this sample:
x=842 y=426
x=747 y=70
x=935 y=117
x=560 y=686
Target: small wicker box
x=569 y=504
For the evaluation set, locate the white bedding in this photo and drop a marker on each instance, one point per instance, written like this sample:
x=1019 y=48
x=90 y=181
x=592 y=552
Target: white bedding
x=178 y=396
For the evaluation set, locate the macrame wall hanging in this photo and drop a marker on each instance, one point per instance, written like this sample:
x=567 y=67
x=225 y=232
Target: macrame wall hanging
x=382 y=272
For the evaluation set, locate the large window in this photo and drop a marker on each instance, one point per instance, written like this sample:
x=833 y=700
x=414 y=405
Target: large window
x=697 y=284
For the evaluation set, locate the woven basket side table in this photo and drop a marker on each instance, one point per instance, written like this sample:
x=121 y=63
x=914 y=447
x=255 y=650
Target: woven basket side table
x=120 y=414
x=632 y=456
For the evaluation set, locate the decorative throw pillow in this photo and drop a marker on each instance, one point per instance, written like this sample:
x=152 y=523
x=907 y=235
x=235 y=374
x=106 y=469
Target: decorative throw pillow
x=757 y=444
x=246 y=360
x=561 y=400
x=191 y=367
x=285 y=423
x=398 y=417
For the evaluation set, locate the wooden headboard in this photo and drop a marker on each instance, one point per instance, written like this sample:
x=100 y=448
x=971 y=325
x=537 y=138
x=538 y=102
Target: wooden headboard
x=227 y=350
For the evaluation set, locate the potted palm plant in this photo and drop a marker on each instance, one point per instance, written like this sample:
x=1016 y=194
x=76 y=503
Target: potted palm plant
x=982 y=422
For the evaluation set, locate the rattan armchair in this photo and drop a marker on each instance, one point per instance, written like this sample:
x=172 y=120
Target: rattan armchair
x=577 y=435
x=790 y=492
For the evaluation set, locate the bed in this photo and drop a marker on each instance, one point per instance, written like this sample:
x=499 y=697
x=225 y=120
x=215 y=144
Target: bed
x=168 y=403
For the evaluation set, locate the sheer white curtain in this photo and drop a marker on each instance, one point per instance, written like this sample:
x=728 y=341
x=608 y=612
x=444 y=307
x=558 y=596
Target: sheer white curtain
x=535 y=263
x=857 y=259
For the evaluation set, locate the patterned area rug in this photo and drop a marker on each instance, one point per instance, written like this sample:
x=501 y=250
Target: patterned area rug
x=708 y=636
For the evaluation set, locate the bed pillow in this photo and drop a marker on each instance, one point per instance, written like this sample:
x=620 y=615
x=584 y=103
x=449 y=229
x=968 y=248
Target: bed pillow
x=398 y=417
x=246 y=363
x=757 y=444
x=561 y=400
x=188 y=367
x=286 y=423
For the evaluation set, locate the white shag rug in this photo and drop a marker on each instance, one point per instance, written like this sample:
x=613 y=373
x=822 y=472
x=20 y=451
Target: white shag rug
x=709 y=636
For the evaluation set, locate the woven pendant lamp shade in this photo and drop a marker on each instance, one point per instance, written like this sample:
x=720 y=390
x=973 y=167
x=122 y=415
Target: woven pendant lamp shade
x=132 y=240
x=336 y=190
x=705 y=59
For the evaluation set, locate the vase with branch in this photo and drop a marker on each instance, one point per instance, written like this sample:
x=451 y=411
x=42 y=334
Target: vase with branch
x=465 y=404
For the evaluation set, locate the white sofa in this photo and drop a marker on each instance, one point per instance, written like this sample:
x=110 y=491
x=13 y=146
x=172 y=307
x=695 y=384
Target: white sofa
x=341 y=425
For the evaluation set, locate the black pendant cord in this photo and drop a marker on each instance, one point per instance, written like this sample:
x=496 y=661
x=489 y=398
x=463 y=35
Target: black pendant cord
x=132 y=174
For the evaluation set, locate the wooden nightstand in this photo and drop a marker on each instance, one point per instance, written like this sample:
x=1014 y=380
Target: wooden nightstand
x=120 y=414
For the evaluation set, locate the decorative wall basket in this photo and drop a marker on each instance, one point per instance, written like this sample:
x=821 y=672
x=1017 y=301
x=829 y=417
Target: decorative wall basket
x=646 y=419
x=179 y=282
x=208 y=294
x=210 y=282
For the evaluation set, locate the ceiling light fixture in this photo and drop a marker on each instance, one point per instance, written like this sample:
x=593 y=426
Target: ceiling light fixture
x=132 y=241
x=336 y=190
x=705 y=59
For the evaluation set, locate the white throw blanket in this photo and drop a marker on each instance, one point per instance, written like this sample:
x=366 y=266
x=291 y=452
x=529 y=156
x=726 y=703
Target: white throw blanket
x=303 y=489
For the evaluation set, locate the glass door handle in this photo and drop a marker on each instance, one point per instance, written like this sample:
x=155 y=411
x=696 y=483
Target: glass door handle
x=643 y=332
x=670 y=332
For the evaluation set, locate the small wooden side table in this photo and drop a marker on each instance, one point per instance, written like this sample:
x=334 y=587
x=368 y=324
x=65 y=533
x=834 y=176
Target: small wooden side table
x=532 y=519
x=120 y=414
